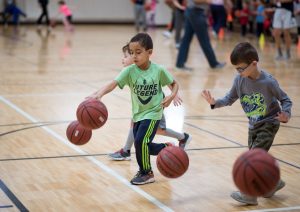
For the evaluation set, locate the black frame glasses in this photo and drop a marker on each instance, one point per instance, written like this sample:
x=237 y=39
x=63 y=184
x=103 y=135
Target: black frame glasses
x=241 y=70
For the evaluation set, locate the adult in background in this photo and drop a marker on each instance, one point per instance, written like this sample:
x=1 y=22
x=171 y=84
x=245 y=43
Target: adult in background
x=44 y=6
x=196 y=23
x=282 y=22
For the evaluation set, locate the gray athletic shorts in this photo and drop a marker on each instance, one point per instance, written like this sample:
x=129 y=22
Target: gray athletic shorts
x=162 y=124
x=283 y=19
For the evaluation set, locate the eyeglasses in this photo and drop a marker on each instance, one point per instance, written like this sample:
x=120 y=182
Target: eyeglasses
x=241 y=70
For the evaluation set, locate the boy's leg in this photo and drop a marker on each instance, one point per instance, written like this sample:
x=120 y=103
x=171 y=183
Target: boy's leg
x=183 y=138
x=263 y=138
x=144 y=132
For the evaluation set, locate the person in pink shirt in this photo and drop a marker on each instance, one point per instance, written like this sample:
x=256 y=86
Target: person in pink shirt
x=65 y=10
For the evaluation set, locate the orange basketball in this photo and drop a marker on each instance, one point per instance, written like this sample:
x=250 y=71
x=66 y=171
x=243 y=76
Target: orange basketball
x=92 y=114
x=77 y=134
x=256 y=172
x=172 y=162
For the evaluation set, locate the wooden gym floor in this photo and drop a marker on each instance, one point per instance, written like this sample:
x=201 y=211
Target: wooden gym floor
x=45 y=77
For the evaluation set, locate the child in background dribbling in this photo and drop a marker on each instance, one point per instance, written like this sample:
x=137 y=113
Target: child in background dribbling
x=145 y=80
x=183 y=138
x=263 y=101
x=65 y=10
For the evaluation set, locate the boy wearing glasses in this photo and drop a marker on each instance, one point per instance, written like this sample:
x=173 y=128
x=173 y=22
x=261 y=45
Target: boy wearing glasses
x=264 y=102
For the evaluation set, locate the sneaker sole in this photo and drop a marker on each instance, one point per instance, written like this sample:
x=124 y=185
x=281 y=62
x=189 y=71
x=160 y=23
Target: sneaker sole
x=277 y=189
x=152 y=180
x=120 y=159
x=243 y=201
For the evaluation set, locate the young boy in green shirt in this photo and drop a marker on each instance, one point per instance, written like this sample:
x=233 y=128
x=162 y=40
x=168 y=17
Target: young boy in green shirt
x=145 y=80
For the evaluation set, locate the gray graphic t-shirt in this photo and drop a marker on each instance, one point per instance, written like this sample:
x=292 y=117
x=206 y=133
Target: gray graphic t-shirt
x=261 y=99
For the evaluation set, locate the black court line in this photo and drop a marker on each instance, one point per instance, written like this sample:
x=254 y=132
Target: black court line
x=12 y=197
x=54 y=157
x=291 y=164
x=240 y=145
x=33 y=123
x=209 y=132
x=26 y=128
x=106 y=154
x=6 y=206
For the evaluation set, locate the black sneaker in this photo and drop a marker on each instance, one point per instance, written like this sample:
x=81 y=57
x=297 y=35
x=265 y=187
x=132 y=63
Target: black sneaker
x=141 y=179
x=185 y=141
x=183 y=68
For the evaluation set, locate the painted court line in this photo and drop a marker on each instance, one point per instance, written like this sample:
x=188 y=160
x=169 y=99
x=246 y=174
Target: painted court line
x=92 y=159
x=276 y=209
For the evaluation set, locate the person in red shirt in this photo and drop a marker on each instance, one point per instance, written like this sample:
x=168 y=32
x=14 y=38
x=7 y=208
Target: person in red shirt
x=244 y=13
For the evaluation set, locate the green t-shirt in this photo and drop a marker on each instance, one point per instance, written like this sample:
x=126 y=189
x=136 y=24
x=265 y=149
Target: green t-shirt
x=146 y=89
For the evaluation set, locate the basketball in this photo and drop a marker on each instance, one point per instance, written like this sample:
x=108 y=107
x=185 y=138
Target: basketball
x=172 y=162
x=77 y=134
x=92 y=114
x=256 y=172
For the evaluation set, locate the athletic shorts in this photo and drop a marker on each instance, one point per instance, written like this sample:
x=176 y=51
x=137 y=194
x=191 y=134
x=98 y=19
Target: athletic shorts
x=283 y=19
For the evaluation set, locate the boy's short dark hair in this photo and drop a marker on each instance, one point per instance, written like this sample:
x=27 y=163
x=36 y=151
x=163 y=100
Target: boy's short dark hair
x=243 y=53
x=144 y=40
x=125 y=49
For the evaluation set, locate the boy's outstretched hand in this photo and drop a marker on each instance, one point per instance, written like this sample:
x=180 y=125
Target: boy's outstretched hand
x=177 y=100
x=207 y=96
x=282 y=117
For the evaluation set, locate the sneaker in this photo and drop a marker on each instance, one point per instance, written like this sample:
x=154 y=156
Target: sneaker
x=219 y=65
x=141 y=179
x=238 y=196
x=185 y=141
x=279 y=186
x=287 y=56
x=167 y=34
x=120 y=155
x=183 y=68
x=279 y=57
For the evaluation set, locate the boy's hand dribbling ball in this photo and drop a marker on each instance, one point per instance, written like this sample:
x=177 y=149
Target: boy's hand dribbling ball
x=92 y=114
x=256 y=173
x=172 y=161
x=77 y=134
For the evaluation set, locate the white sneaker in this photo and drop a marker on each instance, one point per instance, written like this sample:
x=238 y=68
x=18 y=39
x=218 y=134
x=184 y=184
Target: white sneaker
x=279 y=186
x=167 y=34
x=238 y=196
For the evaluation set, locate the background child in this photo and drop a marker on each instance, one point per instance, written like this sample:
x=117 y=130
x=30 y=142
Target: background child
x=140 y=15
x=67 y=20
x=183 y=138
x=145 y=80
x=263 y=101
x=244 y=19
x=260 y=18
x=12 y=10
